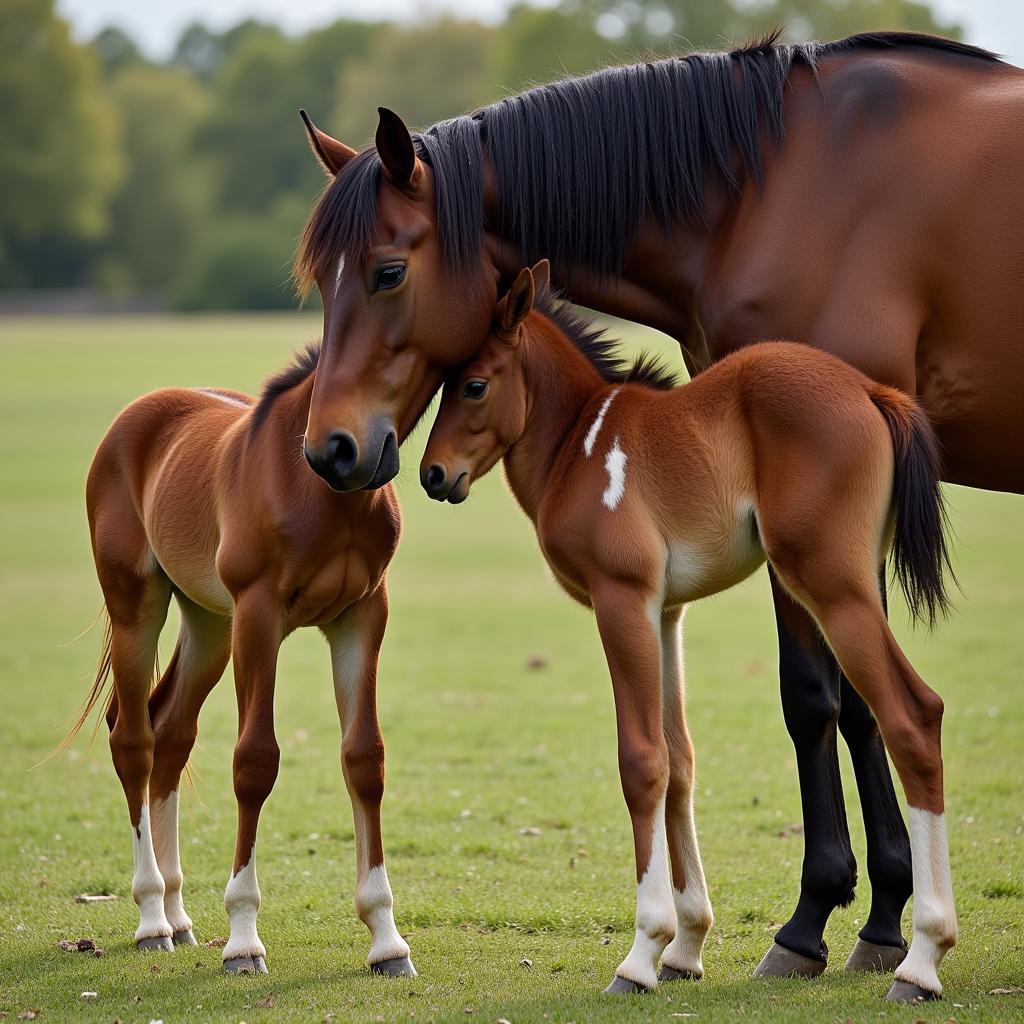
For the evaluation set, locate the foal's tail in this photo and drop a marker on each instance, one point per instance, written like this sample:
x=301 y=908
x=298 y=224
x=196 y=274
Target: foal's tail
x=920 y=557
x=99 y=687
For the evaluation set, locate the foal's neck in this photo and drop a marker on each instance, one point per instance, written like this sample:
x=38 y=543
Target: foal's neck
x=560 y=382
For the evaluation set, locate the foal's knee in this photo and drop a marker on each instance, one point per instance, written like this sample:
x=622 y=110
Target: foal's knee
x=362 y=762
x=255 y=767
x=644 y=773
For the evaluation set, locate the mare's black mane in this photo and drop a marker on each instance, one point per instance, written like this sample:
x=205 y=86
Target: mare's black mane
x=600 y=349
x=580 y=161
x=302 y=366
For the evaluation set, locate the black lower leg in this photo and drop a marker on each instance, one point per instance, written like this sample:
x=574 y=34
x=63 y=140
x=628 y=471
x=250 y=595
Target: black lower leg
x=810 y=683
x=888 y=861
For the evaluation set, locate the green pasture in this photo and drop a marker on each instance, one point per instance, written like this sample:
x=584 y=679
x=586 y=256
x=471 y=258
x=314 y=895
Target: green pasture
x=507 y=838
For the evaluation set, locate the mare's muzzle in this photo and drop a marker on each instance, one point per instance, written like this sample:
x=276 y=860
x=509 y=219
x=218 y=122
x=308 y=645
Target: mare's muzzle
x=347 y=467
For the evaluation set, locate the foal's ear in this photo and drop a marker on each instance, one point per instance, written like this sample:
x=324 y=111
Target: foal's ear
x=541 y=276
x=395 y=149
x=518 y=303
x=332 y=154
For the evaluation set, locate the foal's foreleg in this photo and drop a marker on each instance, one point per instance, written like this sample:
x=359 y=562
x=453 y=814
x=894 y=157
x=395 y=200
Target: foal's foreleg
x=202 y=652
x=256 y=637
x=630 y=625
x=682 y=956
x=355 y=641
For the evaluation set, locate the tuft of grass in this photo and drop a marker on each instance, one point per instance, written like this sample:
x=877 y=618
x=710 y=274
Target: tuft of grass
x=541 y=868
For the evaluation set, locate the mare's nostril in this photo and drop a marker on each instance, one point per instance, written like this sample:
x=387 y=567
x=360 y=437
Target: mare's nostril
x=345 y=453
x=434 y=478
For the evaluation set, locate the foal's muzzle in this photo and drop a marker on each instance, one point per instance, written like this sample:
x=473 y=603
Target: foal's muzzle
x=438 y=486
x=345 y=467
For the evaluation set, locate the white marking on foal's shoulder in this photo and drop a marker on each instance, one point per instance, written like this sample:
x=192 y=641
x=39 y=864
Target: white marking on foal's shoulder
x=615 y=464
x=595 y=428
x=229 y=399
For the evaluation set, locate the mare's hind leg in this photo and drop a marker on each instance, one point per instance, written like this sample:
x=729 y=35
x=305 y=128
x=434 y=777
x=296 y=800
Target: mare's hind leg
x=355 y=641
x=136 y=593
x=201 y=653
x=682 y=956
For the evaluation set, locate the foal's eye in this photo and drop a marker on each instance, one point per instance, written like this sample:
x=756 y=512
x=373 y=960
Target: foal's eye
x=387 y=277
x=475 y=389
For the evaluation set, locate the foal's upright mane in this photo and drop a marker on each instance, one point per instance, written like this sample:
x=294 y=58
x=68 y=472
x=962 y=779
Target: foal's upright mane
x=580 y=161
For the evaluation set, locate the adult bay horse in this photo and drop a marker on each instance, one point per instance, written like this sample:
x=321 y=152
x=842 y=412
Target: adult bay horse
x=204 y=494
x=861 y=196
x=646 y=496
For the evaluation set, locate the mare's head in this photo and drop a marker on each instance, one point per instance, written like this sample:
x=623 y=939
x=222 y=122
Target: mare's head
x=398 y=310
x=483 y=405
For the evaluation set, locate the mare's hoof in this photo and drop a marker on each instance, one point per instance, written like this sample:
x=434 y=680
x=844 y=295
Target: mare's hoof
x=161 y=942
x=780 y=962
x=399 y=967
x=671 y=974
x=246 y=965
x=907 y=992
x=185 y=938
x=623 y=987
x=869 y=956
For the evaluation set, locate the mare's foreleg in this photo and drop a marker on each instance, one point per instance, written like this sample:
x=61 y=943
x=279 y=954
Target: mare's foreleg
x=355 y=641
x=630 y=625
x=682 y=956
x=256 y=638
x=201 y=653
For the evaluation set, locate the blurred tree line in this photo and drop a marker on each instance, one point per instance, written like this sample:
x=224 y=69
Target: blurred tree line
x=189 y=179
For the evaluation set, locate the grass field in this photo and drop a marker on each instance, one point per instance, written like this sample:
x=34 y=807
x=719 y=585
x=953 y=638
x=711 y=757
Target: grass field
x=503 y=923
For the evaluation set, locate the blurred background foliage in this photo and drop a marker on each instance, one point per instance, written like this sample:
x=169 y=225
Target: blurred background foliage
x=187 y=181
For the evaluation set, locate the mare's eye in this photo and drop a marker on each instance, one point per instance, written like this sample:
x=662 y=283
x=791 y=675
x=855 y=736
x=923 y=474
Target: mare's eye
x=475 y=389
x=387 y=277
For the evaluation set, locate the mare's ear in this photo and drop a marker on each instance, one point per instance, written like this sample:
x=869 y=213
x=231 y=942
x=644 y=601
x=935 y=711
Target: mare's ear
x=396 y=151
x=332 y=154
x=518 y=303
x=541 y=276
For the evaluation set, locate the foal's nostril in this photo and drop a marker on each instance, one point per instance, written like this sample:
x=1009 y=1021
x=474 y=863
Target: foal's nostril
x=434 y=478
x=344 y=452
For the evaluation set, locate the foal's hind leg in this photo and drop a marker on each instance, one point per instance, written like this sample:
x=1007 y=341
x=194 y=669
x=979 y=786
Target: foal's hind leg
x=355 y=641
x=136 y=593
x=202 y=651
x=880 y=944
x=682 y=956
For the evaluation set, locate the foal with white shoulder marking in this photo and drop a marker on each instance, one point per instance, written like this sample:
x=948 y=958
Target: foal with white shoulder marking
x=646 y=497
x=205 y=495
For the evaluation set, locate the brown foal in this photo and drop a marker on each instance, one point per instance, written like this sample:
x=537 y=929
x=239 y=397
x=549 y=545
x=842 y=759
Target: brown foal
x=646 y=497
x=204 y=494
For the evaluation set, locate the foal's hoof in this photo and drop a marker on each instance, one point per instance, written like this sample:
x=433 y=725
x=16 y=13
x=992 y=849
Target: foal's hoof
x=869 y=956
x=185 y=938
x=671 y=974
x=399 y=967
x=623 y=987
x=907 y=992
x=780 y=962
x=162 y=942
x=246 y=965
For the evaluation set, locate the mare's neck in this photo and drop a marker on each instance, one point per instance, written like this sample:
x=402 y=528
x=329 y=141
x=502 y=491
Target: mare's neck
x=659 y=280
x=560 y=383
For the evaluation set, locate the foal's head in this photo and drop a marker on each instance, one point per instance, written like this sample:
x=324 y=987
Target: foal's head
x=483 y=405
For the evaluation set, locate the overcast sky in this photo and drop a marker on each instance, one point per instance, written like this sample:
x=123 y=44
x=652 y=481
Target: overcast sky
x=156 y=24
